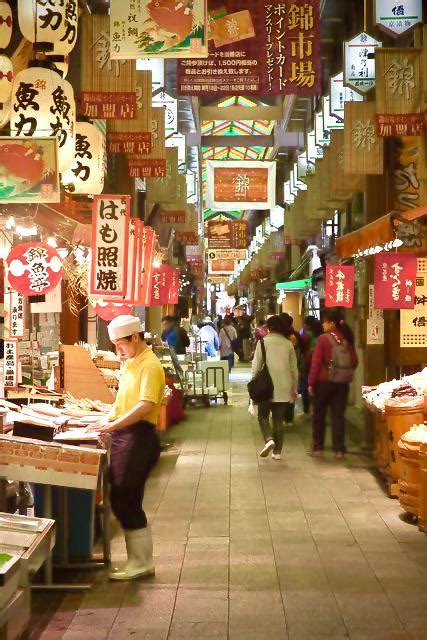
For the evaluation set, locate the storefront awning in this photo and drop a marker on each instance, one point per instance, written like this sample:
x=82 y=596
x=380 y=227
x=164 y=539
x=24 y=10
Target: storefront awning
x=294 y=285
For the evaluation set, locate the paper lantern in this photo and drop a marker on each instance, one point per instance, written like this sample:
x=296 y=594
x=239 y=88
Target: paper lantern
x=86 y=174
x=6 y=78
x=43 y=105
x=42 y=22
x=66 y=44
x=62 y=65
x=110 y=310
x=5 y=113
x=34 y=268
x=5 y=24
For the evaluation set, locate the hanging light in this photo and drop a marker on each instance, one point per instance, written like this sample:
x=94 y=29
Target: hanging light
x=5 y=24
x=43 y=105
x=85 y=176
x=45 y=22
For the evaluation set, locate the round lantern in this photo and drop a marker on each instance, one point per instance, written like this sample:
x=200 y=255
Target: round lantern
x=86 y=174
x=34 y=268
x=66 y=44
x=6 y=78
x=43 y=22
x=110 y=310
x=43 y=105
x=5 y=24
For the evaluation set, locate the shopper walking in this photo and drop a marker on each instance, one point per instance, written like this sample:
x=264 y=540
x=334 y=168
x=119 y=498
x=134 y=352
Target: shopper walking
x=209 y=337
x=293 y=336
x=260 y=330
x=311 y=330
x=227 y=342
x=332 y=369
x=135 y=447
x=175 y=336
x=282 y=365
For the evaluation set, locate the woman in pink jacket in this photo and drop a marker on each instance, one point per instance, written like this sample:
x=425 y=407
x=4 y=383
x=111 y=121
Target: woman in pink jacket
x=332 y=368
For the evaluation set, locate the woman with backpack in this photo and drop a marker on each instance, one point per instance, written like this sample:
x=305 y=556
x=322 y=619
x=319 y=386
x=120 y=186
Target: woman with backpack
x=332 y=368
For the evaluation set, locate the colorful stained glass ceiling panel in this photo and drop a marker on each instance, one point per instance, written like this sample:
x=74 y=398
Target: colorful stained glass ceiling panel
x=237 y=127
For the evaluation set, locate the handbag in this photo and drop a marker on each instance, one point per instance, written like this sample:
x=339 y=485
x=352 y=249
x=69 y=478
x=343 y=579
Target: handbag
x=261 y=387
x=234 y=344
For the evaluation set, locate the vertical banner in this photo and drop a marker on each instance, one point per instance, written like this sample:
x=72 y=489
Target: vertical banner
x=174 y=286
x=148 y=248
x=339 y=289
x=134 y=257
x=413 y=323
x=159 y=286
x=10 y=364
x=17 y=315
x=110 y=241
x=375 y=322
x=394 y=280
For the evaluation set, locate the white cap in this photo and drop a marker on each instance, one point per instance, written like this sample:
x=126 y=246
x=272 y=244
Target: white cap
x=124 y=326
x=207 y=319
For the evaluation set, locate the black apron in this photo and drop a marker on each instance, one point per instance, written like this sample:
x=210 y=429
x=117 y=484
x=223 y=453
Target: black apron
x=134 y=453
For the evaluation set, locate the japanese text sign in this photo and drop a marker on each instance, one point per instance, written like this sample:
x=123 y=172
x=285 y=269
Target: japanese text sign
x=413 y=323
x=245 y=185
x=110 y=240
x=10 y=370
x=227 y=234
x=148 y=248
x=339 y=289
x=359 y=62
x=134 y=261
x=397 y=16
x=17 y=315
x=33 y=268
x=394 y=280
x=174 y=281
x=160 y=286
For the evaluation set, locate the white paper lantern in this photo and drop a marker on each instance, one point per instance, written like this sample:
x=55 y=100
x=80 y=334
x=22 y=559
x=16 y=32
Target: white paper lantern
x=5 y=24
x=5 y=113
x=66 y=44
x=43 y=105
x=62 y=65
x=86 y=174
x=42 y=21
x=6 y=78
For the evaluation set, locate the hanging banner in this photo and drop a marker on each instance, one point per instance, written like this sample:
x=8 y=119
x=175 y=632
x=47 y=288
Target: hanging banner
x=261 y=47
x=174 y=283
x=134 y=260
x=413 y=323
x=17 y=315
x=148 y=249
x=110 y=310
x=110 y=240
x=394 y=280
x=147 y=29
x=339 y=286
x=227 y=234
x=359 y=62
x=159 y=286
x=164 y=190
x=153 y=164
x=30 y=168
x=396 y=18
x=34 y=268
x=363 y=148
x=10 y=365
x=108 y=87
x=240 y=184
x=339 y=95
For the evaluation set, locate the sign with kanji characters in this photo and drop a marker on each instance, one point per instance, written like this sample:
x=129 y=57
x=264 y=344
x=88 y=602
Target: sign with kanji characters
x=174 y=281
x=139 y=142
x=34 y=268
x=363 y=148
x=221 y=266
x=407 y=185
x=339 y=286
x=172 y=217
x=147 y=168
x=148 y=248
x=394 y=280
x=259 y=47
x=10 y=365
x=17 y=315
x=359 y=62
x=107 y=105
x=153 y=163
x=227 y=234
x=86 y=174
x=413 y=323
x=160 y=286
x=226 y=254
x=163 y=29
x=110 y=240
x=339 y=95
x=374 y=322
x=30 y=168
x=397 y=16
x=240 y=184
x=400 y=125
x=134 y=262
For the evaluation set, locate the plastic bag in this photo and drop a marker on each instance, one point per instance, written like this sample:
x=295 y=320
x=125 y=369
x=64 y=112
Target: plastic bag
x=252 y=409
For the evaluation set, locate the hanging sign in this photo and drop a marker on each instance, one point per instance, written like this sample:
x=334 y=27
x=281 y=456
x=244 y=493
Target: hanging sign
x=406 y=182
x=394 y=280
x=86 y=174
x=148 y=249
x=413 y=323
x=172 y=217
x=160 y=286
x=340 y=95
x=240 y=184
x=170 y=106
x=227 y=254
x=221 y=266
x=227 y=234
x=374 y=322
x=359 y=62
x=17 y=315
x=139 y=142
x=174 y=282
x=34 y=268
x=110 y=240
x=261 y=47
x=363 y=148
x=397 y=16
x=152 y=164
x=110 y=310
x=10 y=366
x=134 y=262
x=339 y=286
x=164 y=190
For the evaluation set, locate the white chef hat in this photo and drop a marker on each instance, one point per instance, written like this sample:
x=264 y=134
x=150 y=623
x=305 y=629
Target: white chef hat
x=124 y=326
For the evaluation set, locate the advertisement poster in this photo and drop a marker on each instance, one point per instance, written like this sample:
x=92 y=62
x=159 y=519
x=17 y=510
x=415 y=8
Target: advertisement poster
x=339 y=286
x=227 y=254
x=227 y=234
x=394 y=280
x=232 y=185
x=221 y=266
x=258 y=47
x=149 y=29
x=29 y=170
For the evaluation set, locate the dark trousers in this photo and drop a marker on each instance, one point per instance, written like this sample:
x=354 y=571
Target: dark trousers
x=305 y=396
x=230 y=359
x=278 y=412
x=134 y=453
x=335 y=396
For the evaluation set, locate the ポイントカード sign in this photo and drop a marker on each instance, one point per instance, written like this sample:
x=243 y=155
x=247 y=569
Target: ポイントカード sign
x=241 y=185
x=110 y=240
x=259 y=47
x=394 y=280
x=227 y=234
x=339 y=286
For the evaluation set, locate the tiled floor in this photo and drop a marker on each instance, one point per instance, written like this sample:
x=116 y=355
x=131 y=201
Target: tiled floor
x=251 y=549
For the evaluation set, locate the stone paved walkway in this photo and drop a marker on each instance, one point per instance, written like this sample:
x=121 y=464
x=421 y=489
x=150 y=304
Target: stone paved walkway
x=250 y=549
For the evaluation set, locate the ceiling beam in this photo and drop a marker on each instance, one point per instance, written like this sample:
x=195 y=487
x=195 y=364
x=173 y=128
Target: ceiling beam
x=241 y=113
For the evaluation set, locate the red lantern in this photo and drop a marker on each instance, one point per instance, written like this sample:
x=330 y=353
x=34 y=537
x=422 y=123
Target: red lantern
x=34 y=268
x=110 y=310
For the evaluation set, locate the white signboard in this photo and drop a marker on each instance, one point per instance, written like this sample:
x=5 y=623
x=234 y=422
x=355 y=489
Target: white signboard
x=277 y=217
x=413 y=322
x=10 y=366
x=322 y=135
x=288 y=196
x=17 y=315
x=397 y=16
x=375 y=321
x=340 y=95
x=330 y=121
x=227 y=254
x=314 y=152
x=170 y=106
x=157 y=68
x=359 y=62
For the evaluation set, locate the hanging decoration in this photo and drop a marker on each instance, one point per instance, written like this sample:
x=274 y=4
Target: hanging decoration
x=11 y=363
x=394 y=280
x=34 y=268
x=339 y=286
x=6 y=78
x=160 y=286
x=86 y=174
x=149 y=241
x=45 y=22
x=395 y=18
x=359 y=62
x=6 y=24
x=363 y=149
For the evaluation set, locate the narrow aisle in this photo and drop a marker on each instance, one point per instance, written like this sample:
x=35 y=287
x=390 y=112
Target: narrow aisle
x=253 y=549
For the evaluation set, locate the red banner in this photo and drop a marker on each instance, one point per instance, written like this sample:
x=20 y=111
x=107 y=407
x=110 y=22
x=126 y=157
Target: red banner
x=174 y=285
x=160 y=286
x=147 y=168
x=110 y=310
x=134 y=258
x=258 y=47
x=400 y=124
x=34 y=268
x=186 y=237
x=394 y=280
x=227 y=234
x=148 y=249
x=339 y=287
x=106 y=105
x=131 y=142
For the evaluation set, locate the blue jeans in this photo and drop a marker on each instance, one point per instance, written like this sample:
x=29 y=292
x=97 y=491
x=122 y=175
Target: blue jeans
x=210 y=349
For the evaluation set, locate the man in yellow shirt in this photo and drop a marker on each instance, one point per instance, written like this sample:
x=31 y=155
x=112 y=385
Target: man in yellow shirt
x=135 y=447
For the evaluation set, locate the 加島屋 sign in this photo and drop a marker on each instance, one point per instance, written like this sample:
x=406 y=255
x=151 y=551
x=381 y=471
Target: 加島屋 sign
x=241 y=184
x=359 y=62
x=396 y=17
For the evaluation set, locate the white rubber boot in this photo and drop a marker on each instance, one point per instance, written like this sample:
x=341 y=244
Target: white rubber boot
x=139 y=546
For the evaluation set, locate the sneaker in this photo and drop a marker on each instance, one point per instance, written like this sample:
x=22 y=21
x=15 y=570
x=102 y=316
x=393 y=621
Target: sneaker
x=276 y=456
x=269 y=445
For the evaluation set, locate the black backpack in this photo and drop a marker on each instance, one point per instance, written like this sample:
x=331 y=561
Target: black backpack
x=261 y=387
x=183 y=336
